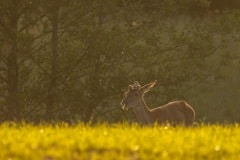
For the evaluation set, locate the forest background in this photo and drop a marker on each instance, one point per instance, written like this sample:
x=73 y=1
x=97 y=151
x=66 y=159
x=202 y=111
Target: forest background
x=72 y=60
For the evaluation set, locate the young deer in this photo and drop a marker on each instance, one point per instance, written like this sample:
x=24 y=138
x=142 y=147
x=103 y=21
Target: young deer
x=175 y=113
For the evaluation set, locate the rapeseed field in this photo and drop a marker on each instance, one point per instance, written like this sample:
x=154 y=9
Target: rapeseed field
x=118 y=141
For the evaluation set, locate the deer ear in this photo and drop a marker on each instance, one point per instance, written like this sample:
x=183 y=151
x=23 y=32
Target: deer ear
x=130 y=87
x=147 y=87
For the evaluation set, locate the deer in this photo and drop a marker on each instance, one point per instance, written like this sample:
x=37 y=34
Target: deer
x=173 y=113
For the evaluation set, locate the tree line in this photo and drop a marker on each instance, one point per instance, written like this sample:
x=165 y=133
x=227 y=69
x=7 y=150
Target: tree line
x=71 y=60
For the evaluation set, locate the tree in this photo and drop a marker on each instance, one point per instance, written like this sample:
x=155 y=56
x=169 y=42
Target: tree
x=72 y=60
x=11 y=54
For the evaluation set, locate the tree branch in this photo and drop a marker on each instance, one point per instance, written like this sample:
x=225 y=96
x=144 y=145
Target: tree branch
x=32 y=23
x=3 y=79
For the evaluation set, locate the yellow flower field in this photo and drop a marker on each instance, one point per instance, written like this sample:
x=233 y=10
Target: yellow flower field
x=118 y=141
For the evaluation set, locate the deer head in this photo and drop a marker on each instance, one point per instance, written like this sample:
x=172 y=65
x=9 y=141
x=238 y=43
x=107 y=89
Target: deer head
x=134 y=94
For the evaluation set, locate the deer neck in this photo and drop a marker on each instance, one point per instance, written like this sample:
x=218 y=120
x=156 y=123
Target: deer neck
x=143 y=113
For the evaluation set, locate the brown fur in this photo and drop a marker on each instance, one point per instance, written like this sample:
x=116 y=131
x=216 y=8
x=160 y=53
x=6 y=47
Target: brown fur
x=175 y=113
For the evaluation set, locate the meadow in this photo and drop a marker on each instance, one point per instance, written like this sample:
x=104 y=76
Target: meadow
x=118 y=141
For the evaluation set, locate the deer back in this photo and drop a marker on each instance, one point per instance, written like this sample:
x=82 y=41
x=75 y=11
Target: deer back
x=176 y=112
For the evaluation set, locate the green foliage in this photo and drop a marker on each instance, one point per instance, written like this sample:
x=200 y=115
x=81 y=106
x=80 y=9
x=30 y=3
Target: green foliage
x=100 y=47
x=119 y=141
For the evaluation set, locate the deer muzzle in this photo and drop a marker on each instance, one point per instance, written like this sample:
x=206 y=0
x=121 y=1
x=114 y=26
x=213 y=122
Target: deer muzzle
x=124 y=106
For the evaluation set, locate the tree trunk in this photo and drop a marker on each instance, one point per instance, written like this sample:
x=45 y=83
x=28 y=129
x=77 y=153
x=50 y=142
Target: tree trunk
x=12 y=67
x=89 y=112
x=52 y=88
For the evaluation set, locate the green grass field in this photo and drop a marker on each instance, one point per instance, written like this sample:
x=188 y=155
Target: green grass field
x=121 y=141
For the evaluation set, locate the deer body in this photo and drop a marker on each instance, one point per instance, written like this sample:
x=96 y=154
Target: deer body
x=176 y=112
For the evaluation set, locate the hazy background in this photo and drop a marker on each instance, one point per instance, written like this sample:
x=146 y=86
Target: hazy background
x=72 y=60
